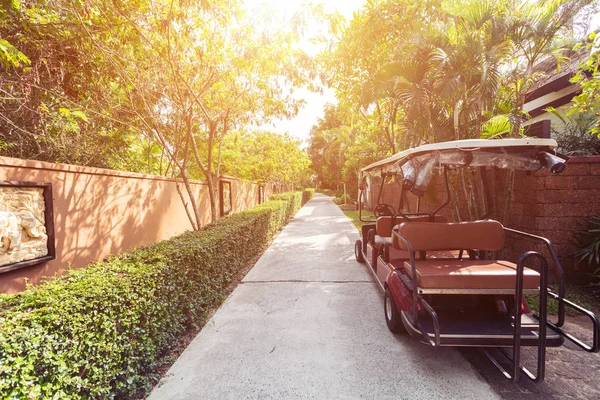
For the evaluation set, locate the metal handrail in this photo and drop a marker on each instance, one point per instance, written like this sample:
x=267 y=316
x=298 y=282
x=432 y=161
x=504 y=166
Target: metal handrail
x=557 y=266
x=436 y=342
x=418 y=299
x=562 y=301
x=595 y=347
x=516 y=358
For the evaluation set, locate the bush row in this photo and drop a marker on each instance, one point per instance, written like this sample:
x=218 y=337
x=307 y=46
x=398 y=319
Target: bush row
x=96 y=332
x=343 y=199
x=294 y=199
x=307 y=194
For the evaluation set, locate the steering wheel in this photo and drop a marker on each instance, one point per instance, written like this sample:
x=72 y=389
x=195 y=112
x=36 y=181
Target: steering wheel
x=384 y=210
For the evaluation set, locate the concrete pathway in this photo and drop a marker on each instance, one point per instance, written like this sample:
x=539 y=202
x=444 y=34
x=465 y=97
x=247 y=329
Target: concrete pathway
x=307 y=323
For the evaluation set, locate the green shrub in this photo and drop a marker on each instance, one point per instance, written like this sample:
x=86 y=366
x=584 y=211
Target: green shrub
x=573 y=134
x=96 y=332
x=307 y=194
x=343 y=199
x=587 y=240
x=331 y=193
x=294 y=202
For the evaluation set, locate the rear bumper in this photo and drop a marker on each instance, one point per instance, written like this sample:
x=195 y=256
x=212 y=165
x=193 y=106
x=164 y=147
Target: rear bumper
x=493 y=331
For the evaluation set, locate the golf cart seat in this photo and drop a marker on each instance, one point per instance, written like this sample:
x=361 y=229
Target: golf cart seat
x=460 y=274
x=383 y=234
x=470 y=274
x=385 y=224
x=396 y=254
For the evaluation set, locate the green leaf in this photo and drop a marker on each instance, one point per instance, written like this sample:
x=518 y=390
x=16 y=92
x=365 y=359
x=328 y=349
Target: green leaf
x=80 y=115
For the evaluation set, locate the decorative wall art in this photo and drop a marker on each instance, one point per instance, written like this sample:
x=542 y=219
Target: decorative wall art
x=225 y=197
x=26 y=224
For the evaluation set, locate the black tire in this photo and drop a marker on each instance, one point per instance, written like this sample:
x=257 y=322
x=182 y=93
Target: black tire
x=392 y=315
x=358 y=252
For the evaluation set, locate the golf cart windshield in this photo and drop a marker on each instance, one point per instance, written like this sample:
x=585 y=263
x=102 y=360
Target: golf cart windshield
x=417 y=165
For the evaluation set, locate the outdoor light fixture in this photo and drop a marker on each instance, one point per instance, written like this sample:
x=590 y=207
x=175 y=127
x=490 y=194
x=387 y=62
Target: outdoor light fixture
x=409 y=172
x=552 y=162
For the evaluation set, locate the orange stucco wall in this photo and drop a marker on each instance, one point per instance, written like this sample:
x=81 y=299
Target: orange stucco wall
x=99 y=212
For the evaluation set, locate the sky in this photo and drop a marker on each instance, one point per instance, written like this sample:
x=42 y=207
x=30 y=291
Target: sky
x=307 y=117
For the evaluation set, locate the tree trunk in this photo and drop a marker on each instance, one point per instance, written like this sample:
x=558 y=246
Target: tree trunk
x=185 y=206
x=182 y=167
x=213 y=197
x=188 y=187
x=508 y=191
x=456 y=120
x=466 y=194
x=207 y=170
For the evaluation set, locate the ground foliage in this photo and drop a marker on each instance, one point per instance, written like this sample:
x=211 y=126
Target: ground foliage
x=96 y=332
x=575 y=134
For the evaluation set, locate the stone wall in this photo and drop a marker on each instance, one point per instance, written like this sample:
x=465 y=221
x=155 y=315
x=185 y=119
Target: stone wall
x=99 y=212
x=553 y=206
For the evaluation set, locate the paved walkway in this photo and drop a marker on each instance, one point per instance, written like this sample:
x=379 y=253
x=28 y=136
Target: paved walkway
x=307 y=323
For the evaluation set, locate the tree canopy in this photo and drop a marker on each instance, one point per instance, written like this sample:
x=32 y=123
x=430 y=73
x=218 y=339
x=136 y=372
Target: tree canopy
x=145 y=85
x=410 y=72
x=179 y=88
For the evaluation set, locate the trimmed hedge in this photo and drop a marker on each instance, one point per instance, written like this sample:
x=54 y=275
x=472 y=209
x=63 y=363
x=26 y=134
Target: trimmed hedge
x=293 y=200
x=307 y=194
x=96 y=332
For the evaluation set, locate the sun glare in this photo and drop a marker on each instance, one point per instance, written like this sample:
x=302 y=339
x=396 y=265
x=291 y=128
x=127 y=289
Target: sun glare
x=282 y=11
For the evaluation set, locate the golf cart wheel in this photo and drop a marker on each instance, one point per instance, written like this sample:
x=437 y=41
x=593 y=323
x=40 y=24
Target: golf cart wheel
x=392 y=315
x=358 y=252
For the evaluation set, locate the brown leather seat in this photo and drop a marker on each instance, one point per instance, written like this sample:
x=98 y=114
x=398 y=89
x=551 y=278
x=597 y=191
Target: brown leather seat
x=485 y=235
x=427 y=236
x=470 y=274
x=384 y=225
x=404 y=255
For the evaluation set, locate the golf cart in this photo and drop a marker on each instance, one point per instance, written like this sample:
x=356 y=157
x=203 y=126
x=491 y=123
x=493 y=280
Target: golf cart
x=443 y=282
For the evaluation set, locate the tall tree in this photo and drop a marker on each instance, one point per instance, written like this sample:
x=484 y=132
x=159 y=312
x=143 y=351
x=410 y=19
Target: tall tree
x=266 y=157
x=418 y=72
x=145 y=85
x=51 y=81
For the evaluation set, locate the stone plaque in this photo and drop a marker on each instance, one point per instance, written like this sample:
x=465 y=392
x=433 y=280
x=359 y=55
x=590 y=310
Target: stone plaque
x=24 y=227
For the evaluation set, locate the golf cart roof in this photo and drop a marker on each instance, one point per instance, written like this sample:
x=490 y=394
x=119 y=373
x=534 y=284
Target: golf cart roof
x=519 y=149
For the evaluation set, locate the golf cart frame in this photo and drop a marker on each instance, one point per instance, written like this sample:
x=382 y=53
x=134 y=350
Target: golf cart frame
x=442 y=281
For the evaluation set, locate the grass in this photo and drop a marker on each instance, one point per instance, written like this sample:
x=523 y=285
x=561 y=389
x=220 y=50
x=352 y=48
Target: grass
x=578 y=294
x=353 y=215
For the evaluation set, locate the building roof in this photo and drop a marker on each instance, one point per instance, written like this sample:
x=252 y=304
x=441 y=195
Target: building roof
x=555 y=77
